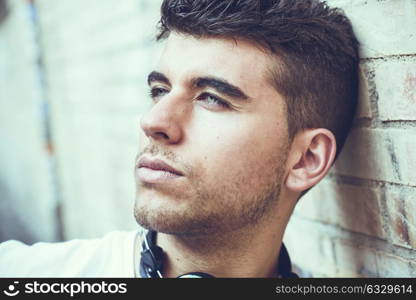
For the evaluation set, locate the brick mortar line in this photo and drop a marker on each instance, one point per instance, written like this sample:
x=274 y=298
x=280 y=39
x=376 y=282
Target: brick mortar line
x=334 y=255
x=370 y=183
x=406 y=121
x=373 y=96
x=396 y=57
x=381 y=124
x=397 y=123
x=385 y=216
x=359 y=239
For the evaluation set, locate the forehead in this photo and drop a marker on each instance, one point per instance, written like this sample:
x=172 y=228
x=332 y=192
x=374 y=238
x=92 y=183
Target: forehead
x=241 y=62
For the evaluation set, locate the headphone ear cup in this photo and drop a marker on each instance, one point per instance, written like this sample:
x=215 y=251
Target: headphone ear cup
x=159 y=256
x=152 y=256
x=152 y=259
x=196 y=275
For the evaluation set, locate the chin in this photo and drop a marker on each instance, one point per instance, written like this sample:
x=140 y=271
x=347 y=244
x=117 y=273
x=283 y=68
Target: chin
x=170 y=219
x=157 y=213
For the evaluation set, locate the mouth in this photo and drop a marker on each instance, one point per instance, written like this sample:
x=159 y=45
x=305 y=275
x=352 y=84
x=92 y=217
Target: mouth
x=156 y=171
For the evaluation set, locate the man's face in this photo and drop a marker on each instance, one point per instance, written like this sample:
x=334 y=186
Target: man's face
x=217 y=120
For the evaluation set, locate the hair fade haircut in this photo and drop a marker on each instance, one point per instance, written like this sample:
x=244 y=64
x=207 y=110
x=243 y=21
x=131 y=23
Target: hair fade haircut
x=316 y=69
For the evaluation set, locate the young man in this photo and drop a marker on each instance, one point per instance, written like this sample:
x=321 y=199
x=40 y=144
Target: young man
x=251 y=103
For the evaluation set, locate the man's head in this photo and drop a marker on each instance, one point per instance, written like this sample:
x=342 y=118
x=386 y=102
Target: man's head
x=250 y=100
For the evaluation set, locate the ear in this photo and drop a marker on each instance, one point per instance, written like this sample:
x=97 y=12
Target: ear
x=312 y=155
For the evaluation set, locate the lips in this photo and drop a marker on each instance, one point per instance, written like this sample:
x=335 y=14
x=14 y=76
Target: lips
x=157 y=172
x=157 y=165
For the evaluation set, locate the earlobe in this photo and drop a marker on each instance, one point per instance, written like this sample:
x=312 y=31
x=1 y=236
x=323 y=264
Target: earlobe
x=314 y=155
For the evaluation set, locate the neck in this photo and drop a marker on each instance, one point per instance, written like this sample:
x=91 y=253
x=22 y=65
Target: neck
x=247 y=252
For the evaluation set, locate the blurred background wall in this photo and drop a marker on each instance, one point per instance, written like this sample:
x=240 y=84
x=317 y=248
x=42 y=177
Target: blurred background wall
x=73 y=83
x=72 y=87
x=28 y=205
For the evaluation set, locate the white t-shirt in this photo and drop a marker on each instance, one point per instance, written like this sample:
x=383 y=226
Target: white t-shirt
x=110 y=256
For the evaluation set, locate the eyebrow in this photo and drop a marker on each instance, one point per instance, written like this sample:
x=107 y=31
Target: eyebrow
x=157 y=76
x=222 y=86
x=219 y=84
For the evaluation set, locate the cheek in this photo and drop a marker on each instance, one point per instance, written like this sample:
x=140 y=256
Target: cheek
x=236 y=148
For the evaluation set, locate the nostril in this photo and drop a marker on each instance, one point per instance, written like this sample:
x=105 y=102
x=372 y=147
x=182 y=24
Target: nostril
x=162 y=135
x=162 y=124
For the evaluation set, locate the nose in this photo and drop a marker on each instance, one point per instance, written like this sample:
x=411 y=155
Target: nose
x=164 y=121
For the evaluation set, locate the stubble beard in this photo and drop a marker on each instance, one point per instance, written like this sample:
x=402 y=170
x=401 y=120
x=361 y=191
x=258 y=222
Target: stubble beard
x=218 y=208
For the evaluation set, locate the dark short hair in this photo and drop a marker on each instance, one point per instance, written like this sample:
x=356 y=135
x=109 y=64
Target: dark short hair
x=316 y=70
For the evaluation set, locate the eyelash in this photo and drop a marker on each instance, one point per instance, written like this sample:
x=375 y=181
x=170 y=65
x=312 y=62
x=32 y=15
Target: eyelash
x=157 y=92
x=218 y=100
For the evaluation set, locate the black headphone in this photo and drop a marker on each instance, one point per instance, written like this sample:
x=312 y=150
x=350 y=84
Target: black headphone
x=151 y=261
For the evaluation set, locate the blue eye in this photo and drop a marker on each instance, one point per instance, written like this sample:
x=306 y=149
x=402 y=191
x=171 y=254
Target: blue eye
x=212 y=100
x=157 y=92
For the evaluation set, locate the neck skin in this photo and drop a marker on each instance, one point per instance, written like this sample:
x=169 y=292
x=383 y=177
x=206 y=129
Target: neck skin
x=248 y=252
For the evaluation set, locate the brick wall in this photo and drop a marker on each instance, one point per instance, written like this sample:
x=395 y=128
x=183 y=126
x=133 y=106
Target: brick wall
x=361 y=220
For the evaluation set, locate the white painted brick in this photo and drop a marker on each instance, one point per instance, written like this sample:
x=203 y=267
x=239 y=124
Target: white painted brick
x=351 y=207
x=309 y=249
x=401 y=210
x=383 y=27
x=353 y=260
x=396 y=86
x=389 y=265
x=379 y=154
